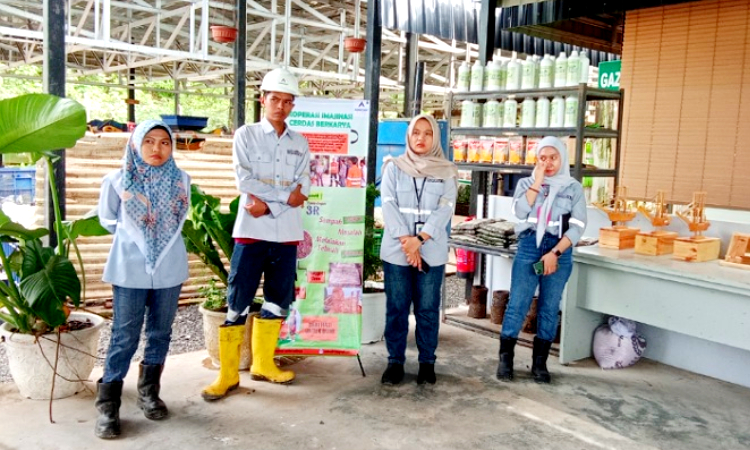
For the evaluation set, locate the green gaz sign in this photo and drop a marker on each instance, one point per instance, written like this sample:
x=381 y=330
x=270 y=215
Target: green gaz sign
x=609 y=75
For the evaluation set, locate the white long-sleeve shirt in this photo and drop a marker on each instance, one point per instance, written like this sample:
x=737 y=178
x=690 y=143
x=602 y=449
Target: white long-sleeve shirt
x=270 y=167
x=401 y=211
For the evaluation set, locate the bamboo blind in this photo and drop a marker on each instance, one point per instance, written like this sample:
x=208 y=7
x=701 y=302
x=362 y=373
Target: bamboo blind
x=686 y=76
x=96 y=155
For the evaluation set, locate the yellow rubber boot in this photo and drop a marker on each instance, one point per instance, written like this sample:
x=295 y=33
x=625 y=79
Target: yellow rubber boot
x=265 y=336
x=230 y=339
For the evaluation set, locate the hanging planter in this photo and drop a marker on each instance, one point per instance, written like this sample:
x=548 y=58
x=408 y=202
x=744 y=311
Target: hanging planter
x=222 y=33
x=354 y=45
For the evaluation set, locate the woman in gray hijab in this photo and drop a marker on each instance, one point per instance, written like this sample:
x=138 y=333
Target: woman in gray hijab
x=551 y=210
x=418 y=194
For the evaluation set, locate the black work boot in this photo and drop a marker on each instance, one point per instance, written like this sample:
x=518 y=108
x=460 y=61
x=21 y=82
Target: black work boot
x=148 y=392
x=539 y=360
x=426 y=373
x=108 y=404
x=393 y=374
x=507 y=351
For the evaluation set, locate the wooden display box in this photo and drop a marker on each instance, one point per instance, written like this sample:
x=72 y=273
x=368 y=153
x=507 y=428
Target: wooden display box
x=738 y=253
x=655 y=243
x=618 y=238
x=697 y=249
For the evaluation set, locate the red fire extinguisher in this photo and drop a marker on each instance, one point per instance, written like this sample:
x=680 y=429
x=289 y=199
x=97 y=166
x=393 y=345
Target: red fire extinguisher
x=465 y=261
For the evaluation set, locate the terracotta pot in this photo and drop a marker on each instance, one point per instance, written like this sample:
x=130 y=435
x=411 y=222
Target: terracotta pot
x=354 y=45
x=222 y=33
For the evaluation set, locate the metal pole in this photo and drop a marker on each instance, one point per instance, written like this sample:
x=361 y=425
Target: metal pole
x=372 y=83
x=240 y=64
x=131 y=95
x=486 y=32
x=412 y=55
x=54 y=83
x=416 y=100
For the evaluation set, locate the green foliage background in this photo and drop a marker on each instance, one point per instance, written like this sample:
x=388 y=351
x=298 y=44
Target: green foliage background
x=103 y=102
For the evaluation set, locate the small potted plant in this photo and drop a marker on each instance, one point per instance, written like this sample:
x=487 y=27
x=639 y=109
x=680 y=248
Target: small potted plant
x=50 y=349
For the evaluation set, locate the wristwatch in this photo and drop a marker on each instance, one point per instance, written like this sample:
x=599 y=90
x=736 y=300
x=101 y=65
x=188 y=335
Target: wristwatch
x=421 y=239
x=557 y=253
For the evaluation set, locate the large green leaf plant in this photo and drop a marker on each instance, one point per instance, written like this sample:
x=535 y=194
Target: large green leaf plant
x=207 y=230
x=41 y=280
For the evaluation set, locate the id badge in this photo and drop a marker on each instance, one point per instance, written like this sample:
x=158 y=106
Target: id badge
x=418 y=227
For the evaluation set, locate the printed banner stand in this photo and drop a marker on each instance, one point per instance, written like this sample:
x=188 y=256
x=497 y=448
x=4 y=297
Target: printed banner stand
x=325 y=318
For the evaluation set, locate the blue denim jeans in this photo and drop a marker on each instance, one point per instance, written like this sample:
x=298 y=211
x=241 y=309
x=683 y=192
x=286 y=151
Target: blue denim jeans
x=404 y=285
x=277 y=263
x=159 y=307
x=524 y=282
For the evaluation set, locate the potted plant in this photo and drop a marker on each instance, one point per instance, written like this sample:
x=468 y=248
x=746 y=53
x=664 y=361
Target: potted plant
x=208 y=234
x=50 y=350
x=373 y=294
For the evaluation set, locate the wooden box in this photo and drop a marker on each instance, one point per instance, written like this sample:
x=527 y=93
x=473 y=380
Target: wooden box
x=697 y=249
x=618 y=238
x=738 y=253
x=655 y=243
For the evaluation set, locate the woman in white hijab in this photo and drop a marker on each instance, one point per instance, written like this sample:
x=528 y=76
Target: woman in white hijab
x=419 y=194
x=552 y=212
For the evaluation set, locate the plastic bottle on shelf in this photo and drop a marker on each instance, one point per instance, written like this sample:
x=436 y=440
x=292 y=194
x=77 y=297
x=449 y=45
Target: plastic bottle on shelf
x=528 y=113
x=571 y=111
x=503 y=75
x=536 y=60
x=489 y=114
x=561 y=70
x=467 y=113
x=528 y=73
x=584 y=62
x=557 y=112
x=574 y=69
x=477 y=115
x=486 y=77
x=464 y=77
x=510 y=113
x=513 y=82
x=477 y=77
x=546 y=73
x=493 y=76
x=542 y=113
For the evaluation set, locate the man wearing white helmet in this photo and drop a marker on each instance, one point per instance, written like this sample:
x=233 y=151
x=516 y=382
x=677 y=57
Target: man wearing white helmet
x=271 y=165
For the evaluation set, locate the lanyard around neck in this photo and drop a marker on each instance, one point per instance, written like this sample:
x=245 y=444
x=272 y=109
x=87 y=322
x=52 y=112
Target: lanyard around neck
x=419 y=192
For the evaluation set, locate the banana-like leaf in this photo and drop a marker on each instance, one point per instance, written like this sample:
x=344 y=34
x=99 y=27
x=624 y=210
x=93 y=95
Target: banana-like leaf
x=87 y=226
x=48 y=289
x=35 y=257
x=39 y=123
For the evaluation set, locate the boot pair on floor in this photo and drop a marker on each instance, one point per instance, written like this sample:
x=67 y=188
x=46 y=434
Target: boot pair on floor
x=539 y=360
x=265 y=336
x=394 y=374
x=108 y=400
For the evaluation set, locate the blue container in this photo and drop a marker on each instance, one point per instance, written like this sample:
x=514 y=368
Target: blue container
x=18 y=185
x=392 y=142
x=185 y=123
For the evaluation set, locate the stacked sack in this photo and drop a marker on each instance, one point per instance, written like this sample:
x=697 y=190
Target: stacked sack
x=488 y=232
x=617 y=345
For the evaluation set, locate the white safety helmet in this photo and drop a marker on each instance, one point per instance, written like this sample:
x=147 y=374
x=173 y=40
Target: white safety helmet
x=280 y=80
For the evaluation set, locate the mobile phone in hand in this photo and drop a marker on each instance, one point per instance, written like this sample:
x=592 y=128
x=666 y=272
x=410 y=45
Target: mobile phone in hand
x=539 y=268
x=425 y=266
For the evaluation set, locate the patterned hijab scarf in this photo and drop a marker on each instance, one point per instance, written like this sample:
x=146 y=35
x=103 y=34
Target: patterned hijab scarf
x=155 y=198
x=432 y=164
x=556 y=183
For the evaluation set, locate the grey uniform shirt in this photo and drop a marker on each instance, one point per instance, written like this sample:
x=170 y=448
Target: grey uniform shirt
x=401 y=212
x=569 y=200
x=270 y=167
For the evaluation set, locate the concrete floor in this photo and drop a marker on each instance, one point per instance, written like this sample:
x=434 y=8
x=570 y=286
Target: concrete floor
x=330 y=406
